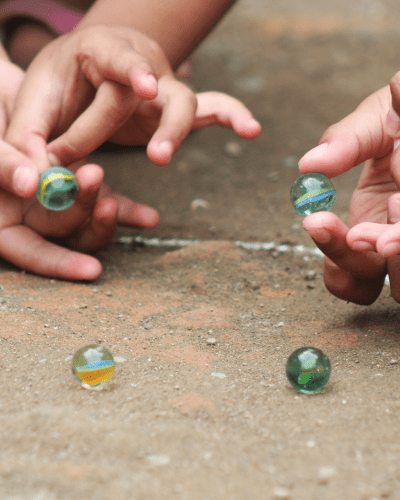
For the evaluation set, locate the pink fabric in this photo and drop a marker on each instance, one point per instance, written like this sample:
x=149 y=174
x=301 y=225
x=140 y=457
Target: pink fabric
x=56 y=16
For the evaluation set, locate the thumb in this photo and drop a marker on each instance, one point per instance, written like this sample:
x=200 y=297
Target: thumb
x=355 y=139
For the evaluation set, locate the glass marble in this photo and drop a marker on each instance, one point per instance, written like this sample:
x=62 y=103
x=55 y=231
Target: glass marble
x=308 y=370
x=312 y=193
x=57 y=188
x=93 y=366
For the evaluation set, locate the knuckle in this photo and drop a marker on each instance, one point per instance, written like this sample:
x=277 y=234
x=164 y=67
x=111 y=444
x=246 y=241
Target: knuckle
x=187 y=94
x=154 y=48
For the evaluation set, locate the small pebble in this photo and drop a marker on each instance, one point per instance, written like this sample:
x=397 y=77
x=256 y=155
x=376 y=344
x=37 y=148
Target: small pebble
x=281 y=494
x=199 y=203
x=273 y=176
x=251 y=83
x=393 y=362
x=211 y=341
x=119 y=359
x=310 y=275
x=158 y=459
x=218 y=375
x=233 y=148
x=289 y=161
x=326 y=473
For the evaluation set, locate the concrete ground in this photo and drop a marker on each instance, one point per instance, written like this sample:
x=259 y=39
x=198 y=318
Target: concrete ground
x=188 y=418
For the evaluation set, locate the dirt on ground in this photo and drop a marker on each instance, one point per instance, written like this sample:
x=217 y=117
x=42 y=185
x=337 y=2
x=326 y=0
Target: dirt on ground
x=200 y=407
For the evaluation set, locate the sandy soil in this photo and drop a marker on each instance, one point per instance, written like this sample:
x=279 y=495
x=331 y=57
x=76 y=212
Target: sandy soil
x=184 y=418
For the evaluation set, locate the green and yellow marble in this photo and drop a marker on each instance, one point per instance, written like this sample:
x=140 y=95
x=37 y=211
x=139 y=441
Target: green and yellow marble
x=57 y=189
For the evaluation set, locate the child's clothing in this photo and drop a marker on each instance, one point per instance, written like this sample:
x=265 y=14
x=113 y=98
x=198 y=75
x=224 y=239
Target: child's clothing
x=59 y=18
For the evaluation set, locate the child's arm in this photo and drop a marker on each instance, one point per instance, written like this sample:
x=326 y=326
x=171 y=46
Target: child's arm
x=177 y=25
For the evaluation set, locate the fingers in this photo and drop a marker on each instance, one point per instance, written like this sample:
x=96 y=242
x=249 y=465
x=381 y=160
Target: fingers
x=130 y=213
x=178 y=109
x=90 y=223
x=60 y=84
x=45 y=258
x=167 y=120
x=381 y=238
x=61 y=224
x=355 y=139
x=34 y=116
x=349 y=275
x=211 y=108
x=392 y=124
x=111 y=107
x=364 y=236
x=108 y=54
x=351 y=288
x=18 y=174
x=98 y=232
x=107 y=214
x=216 y=108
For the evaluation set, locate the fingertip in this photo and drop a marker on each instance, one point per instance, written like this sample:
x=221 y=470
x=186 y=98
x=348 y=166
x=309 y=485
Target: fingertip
x=90 y=268
x=361 y=246
x=148 y=217
x=390 y=249
x=392 y=123
x=79 y=267
x=160 y=153
x=320 y=226
x=395 y=92
x=246 y=126
x=133 y=214
x=145 y=86
x=312 y=158
x=90 y=177
x=25 y=180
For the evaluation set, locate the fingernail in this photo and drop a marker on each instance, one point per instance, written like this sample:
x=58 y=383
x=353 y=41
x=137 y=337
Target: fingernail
x=391 y=249
x=396 y=144
x=54 y=161
x=316 y=153
x=321 y=236
x=166 y=148
x=392 y=125
x=21 y=179
x=362 y=246
x=151 y=80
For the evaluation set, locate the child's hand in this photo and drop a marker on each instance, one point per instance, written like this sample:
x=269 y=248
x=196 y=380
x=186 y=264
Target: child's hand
x=18 y=174
x=102 y=83
x=357 y=260
x=87 y=226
